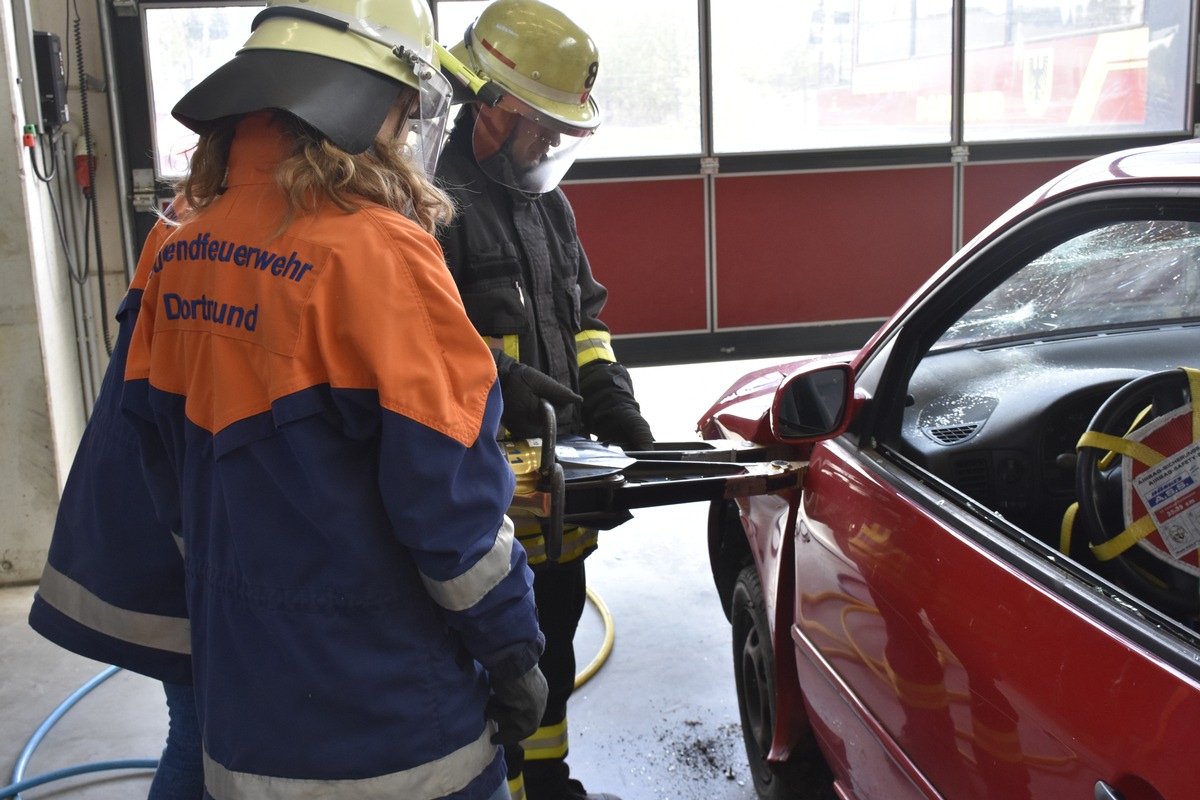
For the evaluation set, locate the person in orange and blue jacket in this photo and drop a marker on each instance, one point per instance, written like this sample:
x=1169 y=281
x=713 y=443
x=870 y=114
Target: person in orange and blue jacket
x=113 y=589
x=527 y=286
x=315 y=417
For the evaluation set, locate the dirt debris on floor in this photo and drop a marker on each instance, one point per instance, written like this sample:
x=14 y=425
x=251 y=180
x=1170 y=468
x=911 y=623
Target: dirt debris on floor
x=702 y=752
x=681 y=758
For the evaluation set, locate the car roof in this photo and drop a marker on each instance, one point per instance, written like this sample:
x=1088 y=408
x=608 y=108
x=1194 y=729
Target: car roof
x=1178 y=161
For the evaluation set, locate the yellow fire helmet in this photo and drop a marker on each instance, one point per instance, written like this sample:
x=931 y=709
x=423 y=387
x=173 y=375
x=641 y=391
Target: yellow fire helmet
x=336 y=64
x=546 y=66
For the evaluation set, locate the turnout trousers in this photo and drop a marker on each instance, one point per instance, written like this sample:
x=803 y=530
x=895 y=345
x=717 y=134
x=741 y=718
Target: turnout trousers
x=537 y=767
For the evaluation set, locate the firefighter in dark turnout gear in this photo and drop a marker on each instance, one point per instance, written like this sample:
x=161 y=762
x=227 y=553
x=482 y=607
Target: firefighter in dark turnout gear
x=527 y=286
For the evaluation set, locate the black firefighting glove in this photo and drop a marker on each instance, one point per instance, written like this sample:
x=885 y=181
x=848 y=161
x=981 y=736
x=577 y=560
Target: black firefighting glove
x=516 y=706
x=609 y=408
x=523 y=388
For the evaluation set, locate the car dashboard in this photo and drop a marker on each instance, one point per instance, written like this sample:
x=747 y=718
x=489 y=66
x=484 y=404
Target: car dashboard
x=1000 y=422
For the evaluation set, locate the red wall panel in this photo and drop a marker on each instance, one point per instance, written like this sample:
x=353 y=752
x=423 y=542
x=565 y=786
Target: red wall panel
x=816 y=247
x=990 y=189
x=645 y=241
x=794 y=248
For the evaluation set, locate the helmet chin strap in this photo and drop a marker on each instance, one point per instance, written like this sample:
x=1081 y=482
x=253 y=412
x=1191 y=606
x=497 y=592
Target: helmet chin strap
x=486 y=91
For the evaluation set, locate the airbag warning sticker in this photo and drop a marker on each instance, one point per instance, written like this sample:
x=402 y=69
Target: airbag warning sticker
x=1170 y=490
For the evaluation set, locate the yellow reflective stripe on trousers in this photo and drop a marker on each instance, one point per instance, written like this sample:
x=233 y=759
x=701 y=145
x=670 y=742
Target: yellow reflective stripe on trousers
x=593 y=346
x=546 y=743
x=516 y=787
x=576 y=542
x=425 y=782
x=464 y=591
x=70 y=598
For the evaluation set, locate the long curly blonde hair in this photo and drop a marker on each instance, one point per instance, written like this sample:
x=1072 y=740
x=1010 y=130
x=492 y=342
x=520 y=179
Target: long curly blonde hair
x=384 y=174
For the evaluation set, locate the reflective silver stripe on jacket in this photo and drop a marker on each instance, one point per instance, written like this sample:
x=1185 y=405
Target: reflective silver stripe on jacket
x=459 y=594
x=159 y=631
x=425 y=782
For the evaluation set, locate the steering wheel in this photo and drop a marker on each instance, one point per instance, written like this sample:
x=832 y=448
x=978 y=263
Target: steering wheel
x=1165 y=583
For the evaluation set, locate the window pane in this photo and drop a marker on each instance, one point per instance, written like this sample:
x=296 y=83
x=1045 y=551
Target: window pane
x=830 y=73
x=648 y=88
x=1045 y=69
x=1128 y=273
x=454 y=17
x=185 y=44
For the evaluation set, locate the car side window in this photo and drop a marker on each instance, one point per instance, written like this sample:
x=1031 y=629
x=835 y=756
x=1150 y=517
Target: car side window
x=997 y=404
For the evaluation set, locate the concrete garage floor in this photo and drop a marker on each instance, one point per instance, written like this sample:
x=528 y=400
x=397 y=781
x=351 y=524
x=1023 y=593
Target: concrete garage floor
x=658 y=721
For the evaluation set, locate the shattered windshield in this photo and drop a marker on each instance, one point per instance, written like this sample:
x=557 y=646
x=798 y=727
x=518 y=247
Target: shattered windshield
x=1129 y=273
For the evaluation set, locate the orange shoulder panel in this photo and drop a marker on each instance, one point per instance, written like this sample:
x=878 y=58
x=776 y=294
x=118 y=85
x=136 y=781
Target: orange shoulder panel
x=392 y=317
x=234 y=319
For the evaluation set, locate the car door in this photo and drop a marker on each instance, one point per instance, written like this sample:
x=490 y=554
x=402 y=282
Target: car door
x=956 y=655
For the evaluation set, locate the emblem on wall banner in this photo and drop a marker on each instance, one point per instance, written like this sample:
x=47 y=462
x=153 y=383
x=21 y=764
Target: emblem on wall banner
x=1037 y=76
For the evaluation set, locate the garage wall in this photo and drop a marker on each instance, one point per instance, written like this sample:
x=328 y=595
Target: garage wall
x=789 y=249
x=989 y=189
x=646 y=241
x=49 y=367
x=827 y=246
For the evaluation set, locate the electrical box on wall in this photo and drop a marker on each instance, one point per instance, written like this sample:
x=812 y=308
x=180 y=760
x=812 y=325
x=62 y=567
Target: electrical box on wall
x=52 y=80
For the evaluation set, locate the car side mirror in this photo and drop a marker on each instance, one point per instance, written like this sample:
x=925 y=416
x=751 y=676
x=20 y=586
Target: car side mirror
x=813 y=404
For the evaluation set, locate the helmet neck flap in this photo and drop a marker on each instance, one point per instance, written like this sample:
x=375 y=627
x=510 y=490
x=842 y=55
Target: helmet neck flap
x=337 y=71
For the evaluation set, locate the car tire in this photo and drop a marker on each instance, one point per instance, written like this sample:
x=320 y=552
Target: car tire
x=805 y=775
x=728 y=550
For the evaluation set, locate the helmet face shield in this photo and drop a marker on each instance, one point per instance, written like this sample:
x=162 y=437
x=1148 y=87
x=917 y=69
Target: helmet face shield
x=426 y=127
x=518 y=146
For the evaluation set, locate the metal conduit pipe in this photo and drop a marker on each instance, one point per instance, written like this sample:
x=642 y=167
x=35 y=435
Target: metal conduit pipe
x=82 y=302
x=120 y=168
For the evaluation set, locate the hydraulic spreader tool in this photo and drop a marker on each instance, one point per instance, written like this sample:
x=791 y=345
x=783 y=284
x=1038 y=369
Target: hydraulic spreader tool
x=577 y=481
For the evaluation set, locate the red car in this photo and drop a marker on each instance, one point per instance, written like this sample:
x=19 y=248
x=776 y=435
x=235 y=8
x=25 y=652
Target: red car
x=988 y=584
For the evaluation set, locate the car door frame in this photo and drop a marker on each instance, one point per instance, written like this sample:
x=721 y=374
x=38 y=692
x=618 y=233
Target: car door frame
x=1106 y=613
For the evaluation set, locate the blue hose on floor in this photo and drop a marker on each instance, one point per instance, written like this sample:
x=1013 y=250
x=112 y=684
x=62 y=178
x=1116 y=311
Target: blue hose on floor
x=14 y=790
x=19 y=785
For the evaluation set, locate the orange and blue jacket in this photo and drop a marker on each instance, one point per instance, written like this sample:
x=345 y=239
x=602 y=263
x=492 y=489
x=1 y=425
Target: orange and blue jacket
x=112 y=589
x=314 y=415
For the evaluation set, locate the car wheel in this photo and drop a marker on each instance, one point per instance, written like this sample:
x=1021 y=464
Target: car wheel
x=728 y=551
x=805 y=775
